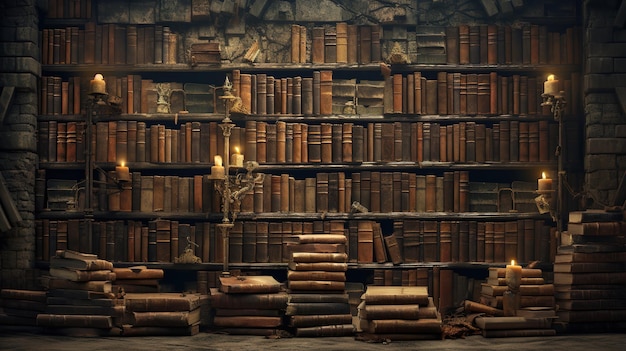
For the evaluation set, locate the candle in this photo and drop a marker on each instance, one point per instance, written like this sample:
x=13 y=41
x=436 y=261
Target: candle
x=237 y=158
x=513 y=276
x=551 y=85
x=543 y=183
x=217 y=170
x=122 y=172
x=98 y=85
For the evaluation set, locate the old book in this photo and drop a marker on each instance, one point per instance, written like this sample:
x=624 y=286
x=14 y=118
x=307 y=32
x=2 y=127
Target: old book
x=512 y=323
x=249 y=284
x=81 y=275
x=316 y=285
x=166 y=319
x=366 y=242
x=597 y=228
x=271 y=300
x=592 y=215
x=313 y=257
x=63 y=320
x=82 y=264
x=405 y=326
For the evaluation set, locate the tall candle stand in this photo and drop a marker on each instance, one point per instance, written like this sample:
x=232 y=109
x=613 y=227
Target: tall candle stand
x=232 y=188
x=557 y=104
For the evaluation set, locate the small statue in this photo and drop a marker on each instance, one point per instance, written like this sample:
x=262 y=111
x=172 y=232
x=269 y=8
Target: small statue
x=397 y=55
x=163 y=90
x=188 y=256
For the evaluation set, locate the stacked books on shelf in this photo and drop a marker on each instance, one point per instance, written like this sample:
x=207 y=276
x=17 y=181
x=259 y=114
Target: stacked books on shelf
x=162 y=314
x=398 y=313
x=589 y=273
x=20 y=307
x=318 y=301
x=80 y=298
x=248 y=305
x=537 y=297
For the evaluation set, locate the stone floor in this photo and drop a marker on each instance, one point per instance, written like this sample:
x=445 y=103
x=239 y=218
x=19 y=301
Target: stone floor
x=22 y=340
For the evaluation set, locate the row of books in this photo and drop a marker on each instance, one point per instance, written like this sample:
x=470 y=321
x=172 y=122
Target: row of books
x=262 y=241
x=445 y=93
x=464 y=44
x=334 y=192
x=109 y=44
x=297 y=143
x=69 y=9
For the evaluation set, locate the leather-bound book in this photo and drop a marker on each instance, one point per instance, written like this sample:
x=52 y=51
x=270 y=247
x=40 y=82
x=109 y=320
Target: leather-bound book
x=366 y=183
x=261 y=93
x=452 y=45
x=434 y=141
x=516 y=94
x=336 y=143
x=341 y=42
x=307 y=96
x=346 y=142
x=284 y=193
x=474 y=44
x=417 y=93
x=246 y=91
x=147 y=184
x=430 y=195
x=358 y=143
x=504 y=144
x=442 y=93
x=470 y=141
x=532 y=91
x=281 y=142
x=353 y=43
x=533 y=141
x=483 y=45
x=514 y=142
x=397 y=93
x=431 y=97
x=516 y=46
x=493 y=93
x=426 y=141
x=314 y=143
x=375 y=191
x=326 y=148
x=376 y=34
x=326 y=92
x=443 y=144
x=269 y=95
x=480 y=144
x=250 y=151
x=317 y=45
x=271 y=142
x=523 y=147
x=316 y=92
x=365 y=242
x=387 y=142
x=249 y=241
x=295 y=43
x=483 y=98
x=262 y=242
x=492 y=44
x=297 y=143
x=321 y=199
x=365 y=41
x=310 y=195
x=296 y=105
x=303 y=41
x=472 y=94
x=464 y=44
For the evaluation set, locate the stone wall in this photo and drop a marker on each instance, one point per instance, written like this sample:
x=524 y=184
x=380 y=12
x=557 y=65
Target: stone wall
x=19 y=59
x=605 y=98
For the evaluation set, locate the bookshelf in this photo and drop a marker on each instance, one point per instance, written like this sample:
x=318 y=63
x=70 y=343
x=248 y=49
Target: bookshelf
x=383 y=146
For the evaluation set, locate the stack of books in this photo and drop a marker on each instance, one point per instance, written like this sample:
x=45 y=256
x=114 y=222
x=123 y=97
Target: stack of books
x=514 y=326
x=589 y=272
x=162 y=314
x=398 y=313
x=537 y=298
x=137 y=279
x=20 y=307
x=248 y=305
x=318 y=301
x=80 y=299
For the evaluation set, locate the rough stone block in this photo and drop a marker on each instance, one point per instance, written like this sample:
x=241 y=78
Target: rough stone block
x=600 y=35
x=599 y=65
x=619 y=65
x=200 y=9
x=606 y=49
x=318 y=11
x=619 y=35
x=598 y=82
x=236 y=26
x=606 y=146
x=603 y=179
x=620 y=131
x=279 y=11
x=113 y=11
x=594 y=131
x=9 y=259
x=174 y=11
x=18 y=141
x=21 y=49
x=599 y=162
x=21 y=81
x=257 y=8
x=27 y=34
x=142 y=12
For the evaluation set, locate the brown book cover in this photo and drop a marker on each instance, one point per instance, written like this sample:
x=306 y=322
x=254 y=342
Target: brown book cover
x=295 y=43
x=326 y=92
x=395 y=251
x=82 y=321
x=365 y=44
x=317 y=45
x=316 y=285
x=314 y=257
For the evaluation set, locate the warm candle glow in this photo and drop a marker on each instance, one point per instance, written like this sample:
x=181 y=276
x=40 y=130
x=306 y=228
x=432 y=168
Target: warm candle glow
x=217 y=170
x=551 y=85
x=512 y=262
x=236 y=149
x=236 y=158
x=217 y=160
x=123 y=173
x=550 y=77
x=98 y=85
x=544 y=183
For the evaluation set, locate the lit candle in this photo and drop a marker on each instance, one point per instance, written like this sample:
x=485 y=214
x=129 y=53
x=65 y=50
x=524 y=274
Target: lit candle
x=551 y=85
x=123 y=174
x=513 y=276
x=217 y=170
x=237 y=158
x=98 y=85
x=543 y=183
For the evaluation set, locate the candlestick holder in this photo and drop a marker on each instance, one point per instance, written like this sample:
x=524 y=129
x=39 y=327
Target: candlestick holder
x=557 y=104
x=232 y=188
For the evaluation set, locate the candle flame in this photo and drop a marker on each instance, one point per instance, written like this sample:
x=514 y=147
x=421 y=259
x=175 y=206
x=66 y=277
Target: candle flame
x=218 y=160
x=512 y=262
x=550 y=77
x=122 y=164
x=543 y=175
x=98 y=76
x=236 y=149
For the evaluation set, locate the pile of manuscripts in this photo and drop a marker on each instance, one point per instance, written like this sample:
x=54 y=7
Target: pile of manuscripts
x=398 y=313
x=162 y=314
x=318 y=301
x=248 y=305
x=590 y=272
x=80 y=298
x=20 y=307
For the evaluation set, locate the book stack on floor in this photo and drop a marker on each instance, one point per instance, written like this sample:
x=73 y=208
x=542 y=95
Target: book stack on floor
x=514 y=326
x=398 y=313
x=589 y=273
x=20 y=307
x=80 y=299
x=536 y=297
x=248 y=305
x=318 y=301
x=162 y=314
x=137 y=279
